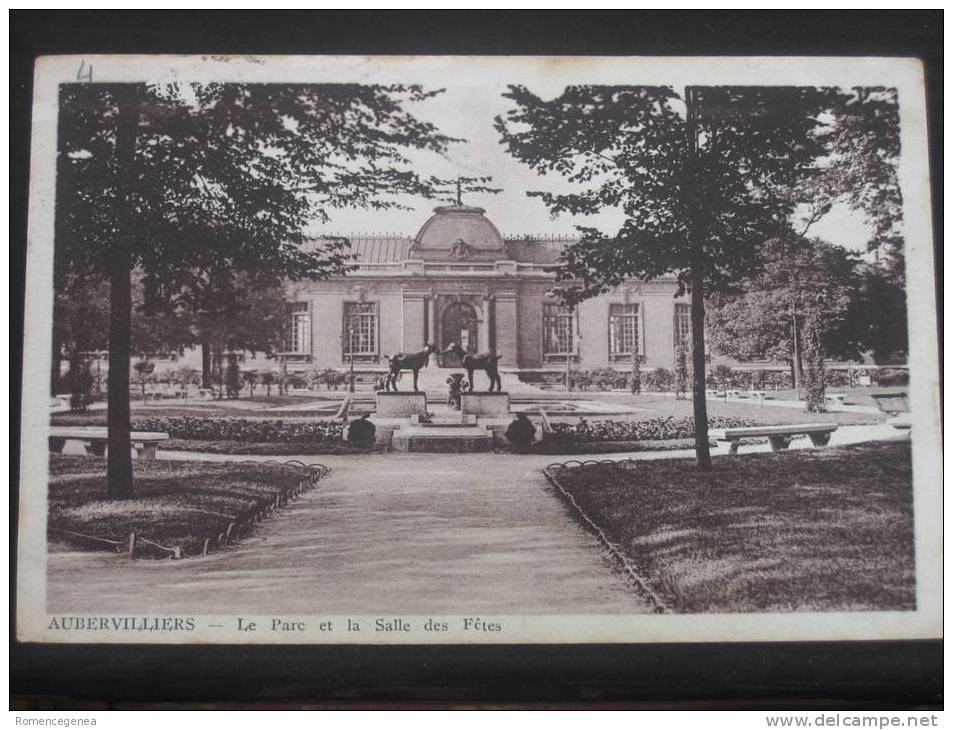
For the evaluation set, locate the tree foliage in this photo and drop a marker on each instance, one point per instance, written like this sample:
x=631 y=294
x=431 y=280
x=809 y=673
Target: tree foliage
x=629 y=148
x=862 y=138
x=195 y=185
x=229 y=175
x=797 y=277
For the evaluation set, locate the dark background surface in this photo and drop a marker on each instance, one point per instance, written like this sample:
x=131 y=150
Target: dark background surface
x=776 y=675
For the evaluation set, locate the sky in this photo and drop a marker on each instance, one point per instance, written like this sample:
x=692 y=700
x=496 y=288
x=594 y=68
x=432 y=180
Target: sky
x=467 y=110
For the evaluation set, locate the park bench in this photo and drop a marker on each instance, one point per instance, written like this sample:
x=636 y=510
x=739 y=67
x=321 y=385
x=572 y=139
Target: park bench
x=780 y=436
x=94 y=439
x=895 y=405
x=838 y=399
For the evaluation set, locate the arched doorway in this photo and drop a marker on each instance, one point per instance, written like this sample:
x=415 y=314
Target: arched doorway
x=458 y=324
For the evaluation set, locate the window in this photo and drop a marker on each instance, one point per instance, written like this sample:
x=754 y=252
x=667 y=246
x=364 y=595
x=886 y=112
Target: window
x=557 y=330
x=297 y=336
x=623 y=330
x=360 y=329
x=683 y=326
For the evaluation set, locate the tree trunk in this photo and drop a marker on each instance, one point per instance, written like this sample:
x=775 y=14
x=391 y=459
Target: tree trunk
x=702 y=451
x=119 y=483
x=206 y=365
x=798 y=368
x=77 y=391
x=56 y=365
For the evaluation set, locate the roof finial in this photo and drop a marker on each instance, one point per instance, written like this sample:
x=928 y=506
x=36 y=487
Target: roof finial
x=459 y=192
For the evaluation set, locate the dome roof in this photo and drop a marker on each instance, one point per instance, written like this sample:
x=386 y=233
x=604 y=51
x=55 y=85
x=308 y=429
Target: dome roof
x=458 y=231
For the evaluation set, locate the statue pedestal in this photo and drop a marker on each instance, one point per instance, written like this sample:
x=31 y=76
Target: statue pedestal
x=485 y=405
x=401 y=405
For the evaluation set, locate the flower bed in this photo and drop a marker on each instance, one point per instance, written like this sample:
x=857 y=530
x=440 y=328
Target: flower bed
x=655 y=429
x=269 y=448
x=194 y=428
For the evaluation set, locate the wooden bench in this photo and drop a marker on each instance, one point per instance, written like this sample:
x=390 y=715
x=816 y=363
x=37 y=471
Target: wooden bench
x=780 y=436
x=94 y=440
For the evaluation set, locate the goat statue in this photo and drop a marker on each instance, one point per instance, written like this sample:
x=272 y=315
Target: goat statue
x=407 y=361
x=486 y=361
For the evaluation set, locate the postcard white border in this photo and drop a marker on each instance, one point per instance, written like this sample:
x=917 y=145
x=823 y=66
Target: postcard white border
x=534 y=72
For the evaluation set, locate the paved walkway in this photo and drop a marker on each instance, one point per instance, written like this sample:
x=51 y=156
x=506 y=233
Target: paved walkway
x=440 y=534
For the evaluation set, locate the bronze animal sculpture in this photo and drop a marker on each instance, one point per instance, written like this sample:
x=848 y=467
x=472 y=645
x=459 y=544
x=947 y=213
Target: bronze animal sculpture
x=407 y=361
x=486 y=361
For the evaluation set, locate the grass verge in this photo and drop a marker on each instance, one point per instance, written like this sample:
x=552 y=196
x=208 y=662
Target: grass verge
x=812 y=530
x=176 y=504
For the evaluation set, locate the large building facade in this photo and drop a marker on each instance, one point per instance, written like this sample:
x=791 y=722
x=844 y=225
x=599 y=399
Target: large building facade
x=460 y=280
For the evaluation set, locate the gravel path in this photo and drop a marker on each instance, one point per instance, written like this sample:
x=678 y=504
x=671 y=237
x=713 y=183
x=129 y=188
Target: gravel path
x=408 y=534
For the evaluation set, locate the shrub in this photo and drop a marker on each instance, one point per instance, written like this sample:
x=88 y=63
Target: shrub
x=239 y=429
x=681 y=372
x=659 y=379
x=836 y=378
x=778 y=379
x=361 y=432
x=758 y=379
x=890 y=376
x=233 y=384
x=721 y=376
x=521 y=432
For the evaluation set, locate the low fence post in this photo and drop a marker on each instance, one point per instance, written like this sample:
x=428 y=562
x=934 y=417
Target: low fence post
x=132 y=544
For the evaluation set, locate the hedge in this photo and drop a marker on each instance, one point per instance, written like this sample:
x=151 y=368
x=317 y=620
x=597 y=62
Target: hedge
x=239 y=429
x=654 y=429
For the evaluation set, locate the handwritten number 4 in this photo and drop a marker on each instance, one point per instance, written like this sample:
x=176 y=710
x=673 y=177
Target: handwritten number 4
x=85 y=73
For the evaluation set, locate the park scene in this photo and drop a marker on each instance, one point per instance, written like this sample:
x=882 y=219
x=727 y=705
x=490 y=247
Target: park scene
x=688 y=396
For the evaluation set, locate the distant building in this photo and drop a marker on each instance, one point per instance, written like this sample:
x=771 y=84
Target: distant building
x=460 y=280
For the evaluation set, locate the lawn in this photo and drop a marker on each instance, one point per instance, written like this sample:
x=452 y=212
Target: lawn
x=856 y=396
x=663 y=406
x=811 y=530
x=176 y=503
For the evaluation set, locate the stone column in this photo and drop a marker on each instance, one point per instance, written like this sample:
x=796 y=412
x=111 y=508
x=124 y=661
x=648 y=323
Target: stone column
x=507 y=328
x=484 y=332
x=432 y=318
x=413 y=322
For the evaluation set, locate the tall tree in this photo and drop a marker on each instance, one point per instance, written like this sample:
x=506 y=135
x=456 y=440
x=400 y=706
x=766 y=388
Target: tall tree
x=181 y=182
x=798 y=277
x=702 y=180
x=80 y=312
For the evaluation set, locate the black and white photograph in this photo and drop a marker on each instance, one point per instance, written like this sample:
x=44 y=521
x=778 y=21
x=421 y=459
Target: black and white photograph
x=455 y=349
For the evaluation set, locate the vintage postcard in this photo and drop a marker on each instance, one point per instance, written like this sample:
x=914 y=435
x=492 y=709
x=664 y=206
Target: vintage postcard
x=479 y=350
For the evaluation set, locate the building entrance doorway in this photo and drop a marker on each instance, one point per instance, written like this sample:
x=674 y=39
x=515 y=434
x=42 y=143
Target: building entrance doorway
x=458 y=324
